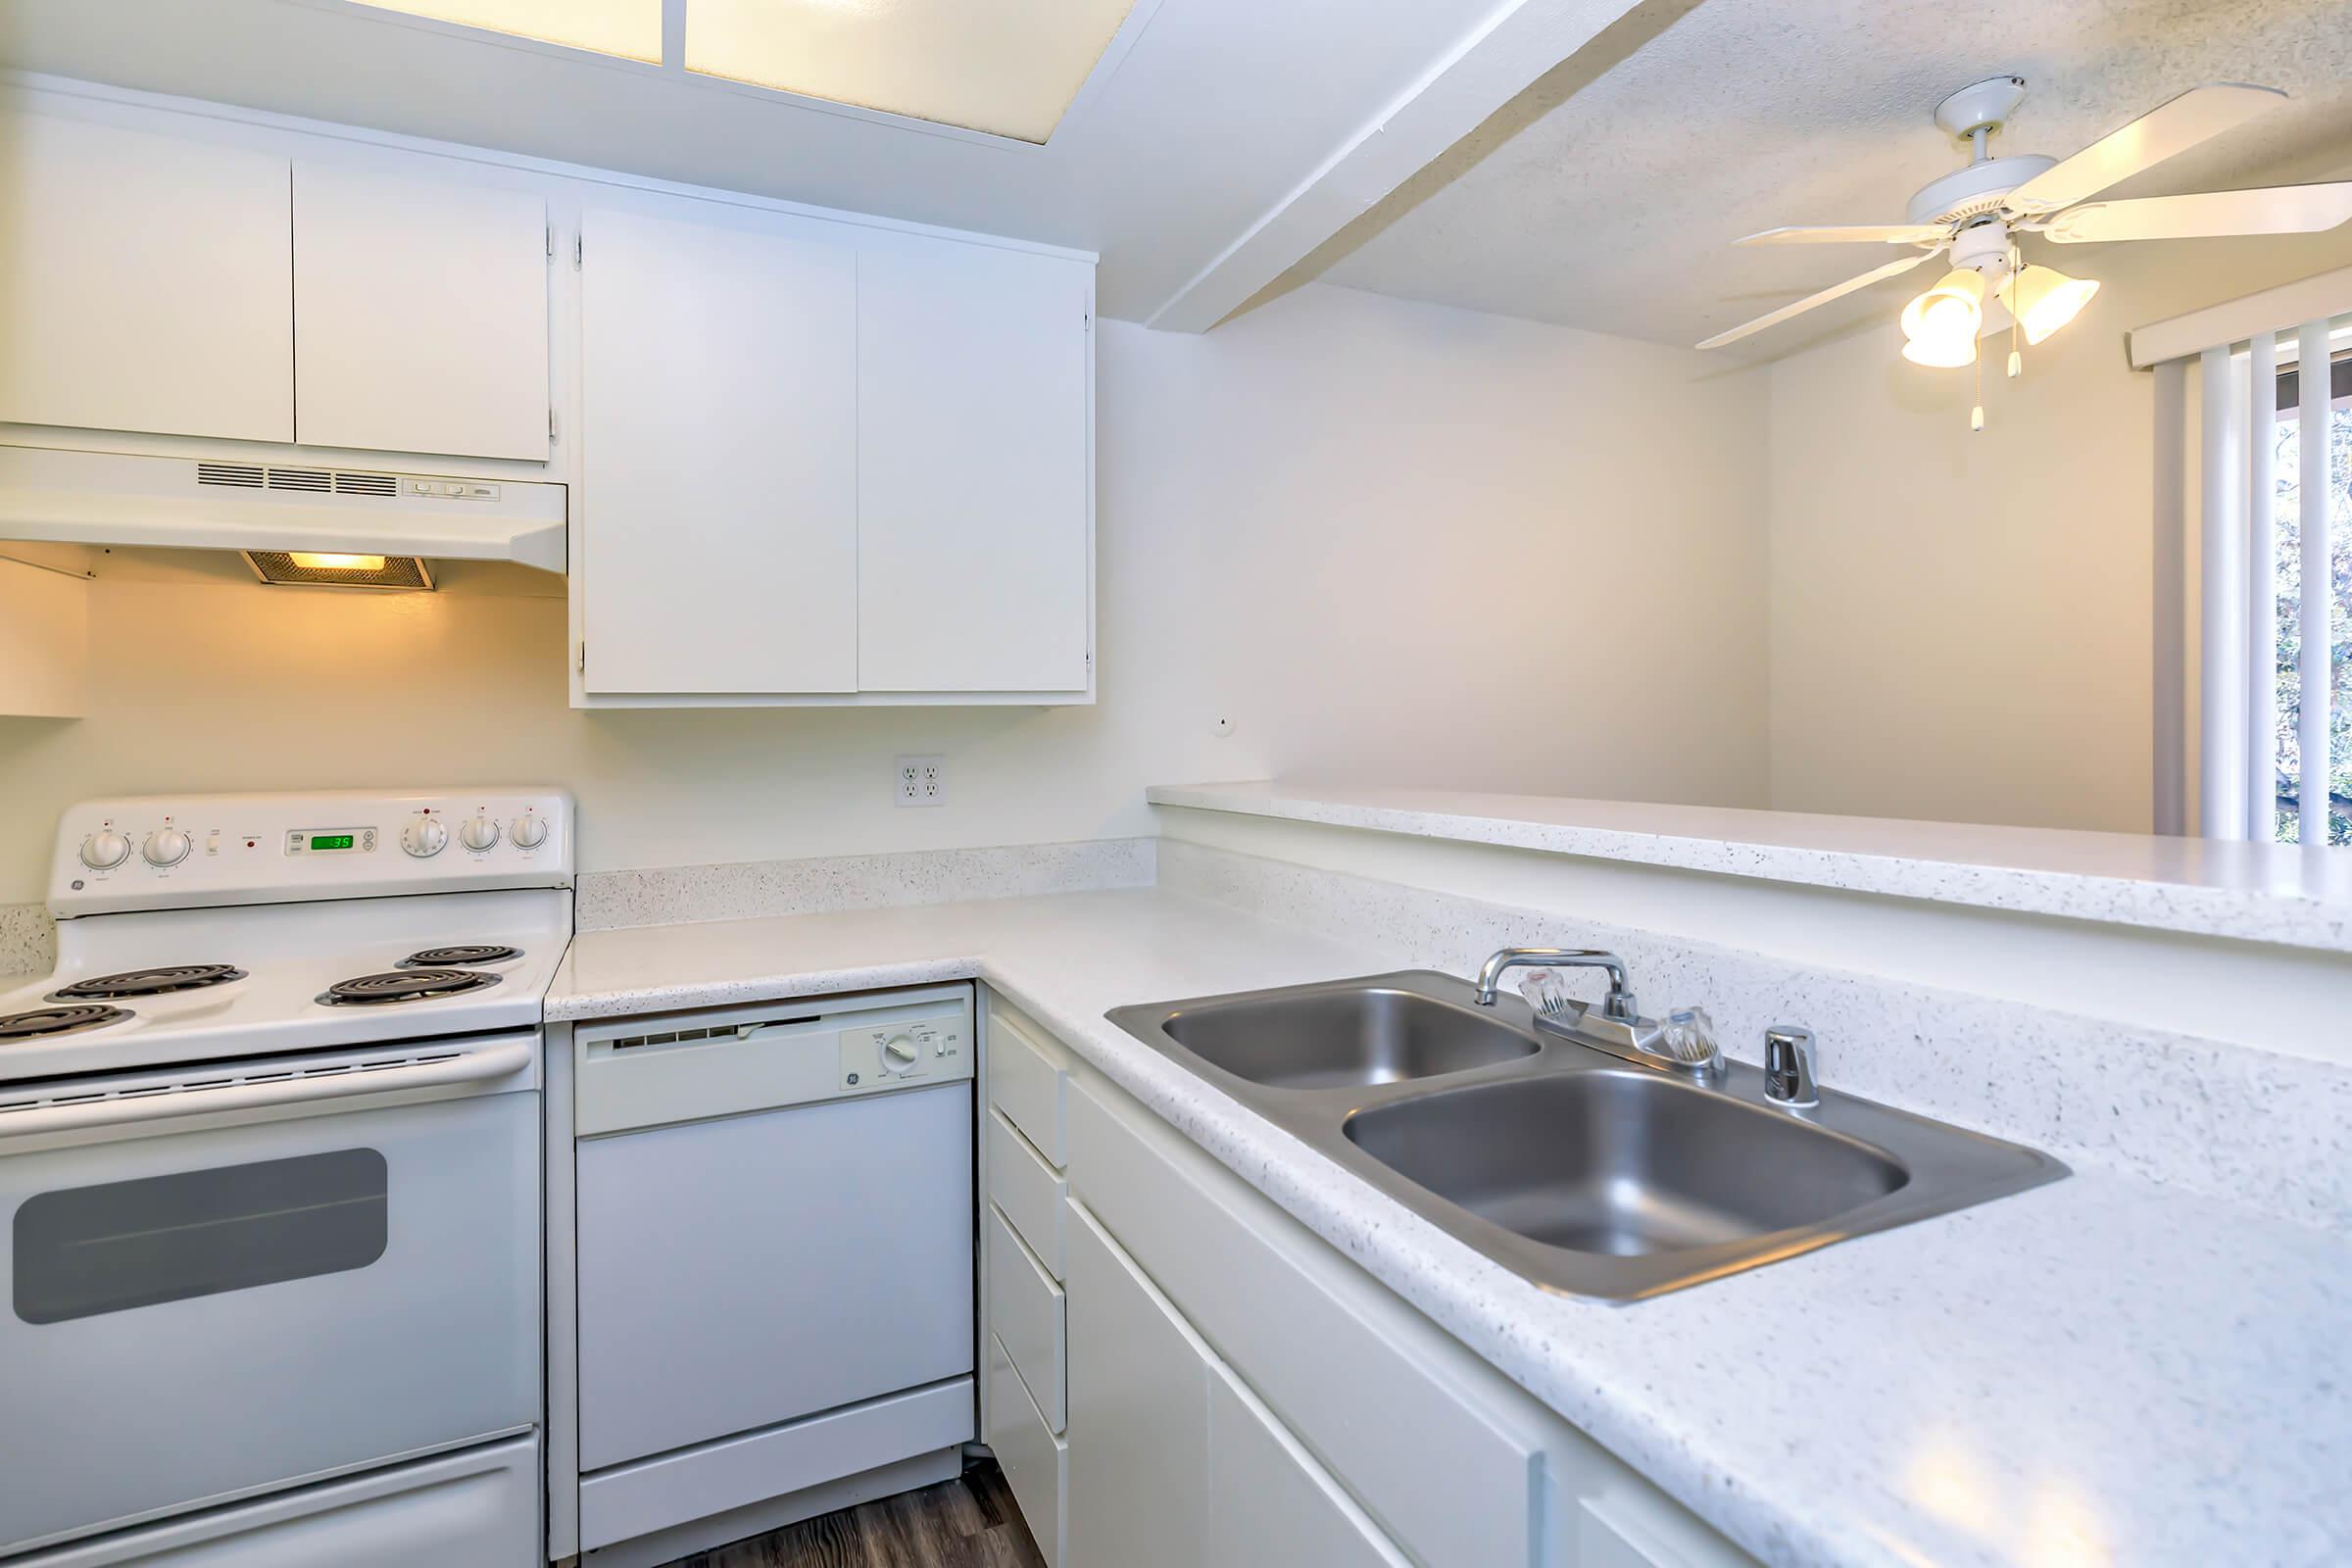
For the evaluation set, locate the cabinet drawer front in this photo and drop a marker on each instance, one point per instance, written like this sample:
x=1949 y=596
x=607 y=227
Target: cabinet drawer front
x=1449 y=1483
x=1027 y=1189
x=1025 y=1311
x=1028 y=1080
x=1036 y=1463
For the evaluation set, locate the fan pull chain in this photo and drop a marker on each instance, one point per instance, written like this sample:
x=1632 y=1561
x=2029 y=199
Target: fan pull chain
x=2017 y=361
x=1975 y=415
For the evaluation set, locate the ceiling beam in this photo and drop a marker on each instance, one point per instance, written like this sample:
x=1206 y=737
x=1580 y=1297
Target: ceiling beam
x=1518 y=43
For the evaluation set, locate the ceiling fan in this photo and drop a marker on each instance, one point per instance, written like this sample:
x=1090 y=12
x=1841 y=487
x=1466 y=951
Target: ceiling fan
x=1979 y=212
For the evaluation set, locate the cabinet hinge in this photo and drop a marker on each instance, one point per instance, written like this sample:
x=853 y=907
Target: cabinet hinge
x=550 y=424
x=551 y=243
x=576 y=253
x=1090 y=660
x=583 y=665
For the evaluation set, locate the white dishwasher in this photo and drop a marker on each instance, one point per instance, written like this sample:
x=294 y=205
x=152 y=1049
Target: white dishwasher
x=774 y=1252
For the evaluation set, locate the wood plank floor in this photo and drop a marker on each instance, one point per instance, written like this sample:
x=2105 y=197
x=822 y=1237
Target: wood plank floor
x=970 y=1522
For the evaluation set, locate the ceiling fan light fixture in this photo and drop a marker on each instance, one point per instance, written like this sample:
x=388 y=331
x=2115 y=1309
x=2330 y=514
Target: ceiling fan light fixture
x=1941 y=352
x=2046 y=299
x=1939 y=327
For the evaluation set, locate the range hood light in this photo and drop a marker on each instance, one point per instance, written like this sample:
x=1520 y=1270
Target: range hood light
x=322 y=568
x=312 y=560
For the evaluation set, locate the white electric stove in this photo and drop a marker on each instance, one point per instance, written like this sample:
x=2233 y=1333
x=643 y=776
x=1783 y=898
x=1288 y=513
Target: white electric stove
x=269 y=1182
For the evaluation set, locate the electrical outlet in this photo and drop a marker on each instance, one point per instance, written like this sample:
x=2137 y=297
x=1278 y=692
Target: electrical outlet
x=920 y=781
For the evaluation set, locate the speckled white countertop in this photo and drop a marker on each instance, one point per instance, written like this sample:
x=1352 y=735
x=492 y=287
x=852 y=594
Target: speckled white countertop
x=2100 y=1371
x=2206 y=887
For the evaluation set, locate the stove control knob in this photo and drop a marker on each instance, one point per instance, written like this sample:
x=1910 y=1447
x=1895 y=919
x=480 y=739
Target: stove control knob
x=478 y=832
x=528 y=832
x=165 y=847
x=424 y=836
x=104 y=850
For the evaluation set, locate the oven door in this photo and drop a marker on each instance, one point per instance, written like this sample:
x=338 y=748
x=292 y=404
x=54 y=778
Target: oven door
x=300 y=1269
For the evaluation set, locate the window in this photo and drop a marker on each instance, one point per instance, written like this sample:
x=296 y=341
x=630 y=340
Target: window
x=2287 y=633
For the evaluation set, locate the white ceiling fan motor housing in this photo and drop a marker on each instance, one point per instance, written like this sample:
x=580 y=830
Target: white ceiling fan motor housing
x=1975 y=190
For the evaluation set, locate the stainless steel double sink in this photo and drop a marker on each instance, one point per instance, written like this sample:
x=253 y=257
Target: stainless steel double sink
x=1576 y=1169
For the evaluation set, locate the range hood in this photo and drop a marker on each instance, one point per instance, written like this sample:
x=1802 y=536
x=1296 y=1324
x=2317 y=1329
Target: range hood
x=99 y=498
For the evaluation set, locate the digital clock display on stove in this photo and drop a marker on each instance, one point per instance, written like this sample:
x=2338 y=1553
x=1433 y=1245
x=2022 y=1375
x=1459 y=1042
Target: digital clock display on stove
x=329 y=841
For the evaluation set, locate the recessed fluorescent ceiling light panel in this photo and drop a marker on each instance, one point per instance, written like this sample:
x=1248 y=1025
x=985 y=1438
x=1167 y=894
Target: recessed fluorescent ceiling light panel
x=629 y=28
x=1009 y=68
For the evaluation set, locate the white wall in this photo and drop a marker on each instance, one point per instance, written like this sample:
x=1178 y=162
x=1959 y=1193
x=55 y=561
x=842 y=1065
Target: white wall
x=1962 y=623
x=1432 y=545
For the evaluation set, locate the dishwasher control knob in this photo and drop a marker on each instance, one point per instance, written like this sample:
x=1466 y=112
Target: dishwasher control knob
x=899 y=1053
x=528 y=832
x=478 y=832
x=165 y=847
x=104 y=850
x=424 y=836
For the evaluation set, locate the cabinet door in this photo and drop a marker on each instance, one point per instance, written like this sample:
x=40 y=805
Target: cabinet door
x=145 y=282
x=419 y=315
x=1138 y=1417
x=718 y=505
x=1275 y=1506
x=972 y=458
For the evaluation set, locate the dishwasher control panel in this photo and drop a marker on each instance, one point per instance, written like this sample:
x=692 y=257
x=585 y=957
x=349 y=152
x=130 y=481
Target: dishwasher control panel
x=876 y=1055
x=659 y=1070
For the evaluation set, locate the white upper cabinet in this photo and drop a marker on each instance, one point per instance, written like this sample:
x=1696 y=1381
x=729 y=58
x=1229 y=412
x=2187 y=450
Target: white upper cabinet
x=974 y=468
x=421 y=315
x=718 y=495
x=144 y=282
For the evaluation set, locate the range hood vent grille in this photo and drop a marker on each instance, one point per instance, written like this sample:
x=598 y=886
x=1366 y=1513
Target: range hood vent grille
x=309 y=569
x=309 y=481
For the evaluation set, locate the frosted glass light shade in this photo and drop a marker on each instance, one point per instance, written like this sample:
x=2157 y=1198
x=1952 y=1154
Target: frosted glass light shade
x=629 y=28
x=1009 y=68
x=1943 y=351
x=2046 y=299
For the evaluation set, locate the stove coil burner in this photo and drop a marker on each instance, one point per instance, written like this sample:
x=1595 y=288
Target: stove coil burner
x=148 y=982
x=403 y=985
x=459 y=957
x=44 y=1023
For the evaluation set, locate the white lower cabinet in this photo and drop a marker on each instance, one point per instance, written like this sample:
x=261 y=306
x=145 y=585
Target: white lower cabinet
x=1036 y=1463
x=1241 y=1393
x=1274 y=1507
x=1139 y=1419
x=1172 y=1459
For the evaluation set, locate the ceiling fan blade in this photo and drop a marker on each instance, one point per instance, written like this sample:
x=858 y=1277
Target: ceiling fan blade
x=2174 y=127
x=1835 y=291
x=2278 y=209
x=1849 y=234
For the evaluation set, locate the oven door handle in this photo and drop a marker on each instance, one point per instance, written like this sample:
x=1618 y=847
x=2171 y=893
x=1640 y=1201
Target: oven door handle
x=494 y=1061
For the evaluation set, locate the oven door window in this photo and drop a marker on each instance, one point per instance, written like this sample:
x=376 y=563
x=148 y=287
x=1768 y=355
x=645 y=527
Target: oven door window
x=84 y=1250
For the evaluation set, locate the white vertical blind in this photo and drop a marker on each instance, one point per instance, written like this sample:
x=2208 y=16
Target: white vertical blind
x=2262 y=584
x=2315 y=380
x=2238 y=765
x=2223 y=651
x=2169 y=718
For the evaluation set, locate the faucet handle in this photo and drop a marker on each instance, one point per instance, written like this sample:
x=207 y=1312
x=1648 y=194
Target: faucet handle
x=1789 y=1076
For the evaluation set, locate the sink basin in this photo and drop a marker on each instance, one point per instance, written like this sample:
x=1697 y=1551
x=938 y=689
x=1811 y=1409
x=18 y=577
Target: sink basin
x=1574 y=1168
x=1318 y=1039
x=1627 y=1163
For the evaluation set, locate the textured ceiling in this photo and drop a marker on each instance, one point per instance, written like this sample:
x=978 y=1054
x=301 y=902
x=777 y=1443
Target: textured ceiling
x=1615 y=209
